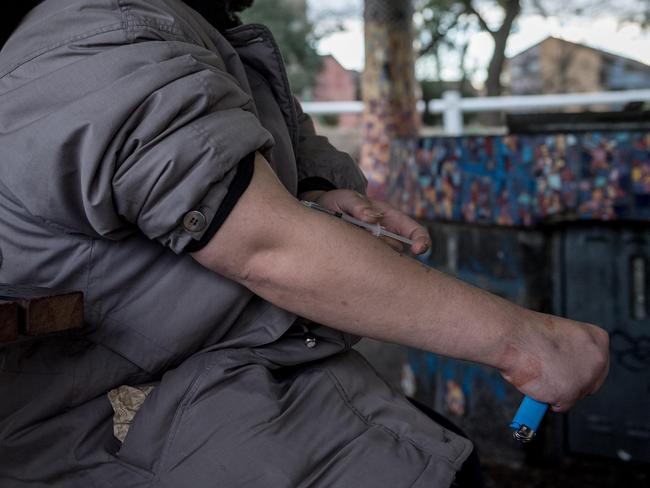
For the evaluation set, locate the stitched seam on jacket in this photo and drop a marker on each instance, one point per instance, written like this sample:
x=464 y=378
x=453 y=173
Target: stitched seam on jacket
x=394 y=434
x=287 y=88
x=131 y=21
x=33 y=55
x=293 y=122
x=104 y=322
x=178 y=414
x=94 y=307
x=127 y=24
x=265 y=33
x=156 y=29
x=147 y=338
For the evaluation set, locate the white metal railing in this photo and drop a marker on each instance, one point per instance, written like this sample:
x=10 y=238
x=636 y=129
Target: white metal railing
x=452 y=105
x=341 y=107
x=332 y=108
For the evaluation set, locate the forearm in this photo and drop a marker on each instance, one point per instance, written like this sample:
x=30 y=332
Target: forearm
x=331 y=272
x=349 y=280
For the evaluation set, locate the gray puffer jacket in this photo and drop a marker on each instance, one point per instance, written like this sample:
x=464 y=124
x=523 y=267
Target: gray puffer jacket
x=126 y=129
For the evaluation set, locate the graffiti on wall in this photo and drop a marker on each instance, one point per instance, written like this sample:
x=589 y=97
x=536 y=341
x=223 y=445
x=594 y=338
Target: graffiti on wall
x=524 y=180
x=457 y=381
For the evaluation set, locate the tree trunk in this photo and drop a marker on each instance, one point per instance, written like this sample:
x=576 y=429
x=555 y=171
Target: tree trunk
x=511 y=10
x=493 y=85
x=495 y=68
x=391 y=120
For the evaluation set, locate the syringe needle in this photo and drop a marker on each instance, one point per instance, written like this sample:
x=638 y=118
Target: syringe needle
x=376 y=229
x=397 y=237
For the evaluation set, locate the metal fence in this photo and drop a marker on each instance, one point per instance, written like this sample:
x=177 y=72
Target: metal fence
x=452 y=105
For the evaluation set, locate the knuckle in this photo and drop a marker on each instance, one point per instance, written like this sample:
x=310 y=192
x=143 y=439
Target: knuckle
x=361 y=198
x=604 y=358
x=598 y=360
x=604 y=337
x=601 y=342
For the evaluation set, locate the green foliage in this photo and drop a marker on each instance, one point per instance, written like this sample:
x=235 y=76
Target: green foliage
x=294 y=35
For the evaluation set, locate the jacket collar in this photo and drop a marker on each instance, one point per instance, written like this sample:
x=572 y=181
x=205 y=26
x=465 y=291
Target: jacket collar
x=258 y=49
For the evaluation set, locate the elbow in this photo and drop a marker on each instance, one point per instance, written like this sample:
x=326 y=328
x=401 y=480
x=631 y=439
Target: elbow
x=256 y=264
x=241 y=265
x=271 y=274
x=250 y=271
x=253 y=242
x=267 y=273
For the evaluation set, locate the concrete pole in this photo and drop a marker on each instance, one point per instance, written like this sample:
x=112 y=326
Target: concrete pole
x=390 y=94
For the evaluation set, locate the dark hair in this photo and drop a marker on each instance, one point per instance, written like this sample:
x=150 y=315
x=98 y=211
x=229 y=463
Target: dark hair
x=11 y=17
x=222 y=14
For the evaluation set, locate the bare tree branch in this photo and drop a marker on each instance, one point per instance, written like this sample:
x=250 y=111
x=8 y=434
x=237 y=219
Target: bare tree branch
x=438 y=35
x=513 y=9
x=469 y=8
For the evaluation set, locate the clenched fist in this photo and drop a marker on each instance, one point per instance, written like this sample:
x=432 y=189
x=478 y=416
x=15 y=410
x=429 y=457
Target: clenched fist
x=556 y=360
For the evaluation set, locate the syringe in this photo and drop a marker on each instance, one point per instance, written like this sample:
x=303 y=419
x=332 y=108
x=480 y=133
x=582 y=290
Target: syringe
x=376 y=229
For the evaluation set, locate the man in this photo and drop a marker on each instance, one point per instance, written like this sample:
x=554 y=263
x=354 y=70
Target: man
x=155 y=163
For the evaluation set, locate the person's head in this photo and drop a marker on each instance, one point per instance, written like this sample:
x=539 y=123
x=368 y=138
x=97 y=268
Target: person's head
x=220 y=13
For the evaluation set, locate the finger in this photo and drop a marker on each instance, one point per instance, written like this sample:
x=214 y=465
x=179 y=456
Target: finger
x=421 y=241
x=358 y=206
x=599 y=383
x=401 y=224
x=561 y=407
x=404 y=225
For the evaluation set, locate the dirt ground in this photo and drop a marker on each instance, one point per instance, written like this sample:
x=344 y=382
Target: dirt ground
x=574 y=473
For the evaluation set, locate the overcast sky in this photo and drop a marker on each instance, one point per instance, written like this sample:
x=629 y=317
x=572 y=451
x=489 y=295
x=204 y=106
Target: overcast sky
x=603 y=33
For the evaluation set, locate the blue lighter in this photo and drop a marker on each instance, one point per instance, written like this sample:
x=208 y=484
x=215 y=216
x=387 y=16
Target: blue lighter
x=527 y=419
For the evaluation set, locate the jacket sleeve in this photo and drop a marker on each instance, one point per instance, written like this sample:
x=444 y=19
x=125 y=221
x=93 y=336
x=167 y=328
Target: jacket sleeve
x=140 y=138
x=320 y=165
x=193 y=152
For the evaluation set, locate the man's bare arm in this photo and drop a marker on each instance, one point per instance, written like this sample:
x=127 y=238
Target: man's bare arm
x=331 y=272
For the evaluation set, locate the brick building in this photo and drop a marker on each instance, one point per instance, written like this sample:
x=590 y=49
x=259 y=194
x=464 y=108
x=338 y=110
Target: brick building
x=558 y=66
x=335 y=83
